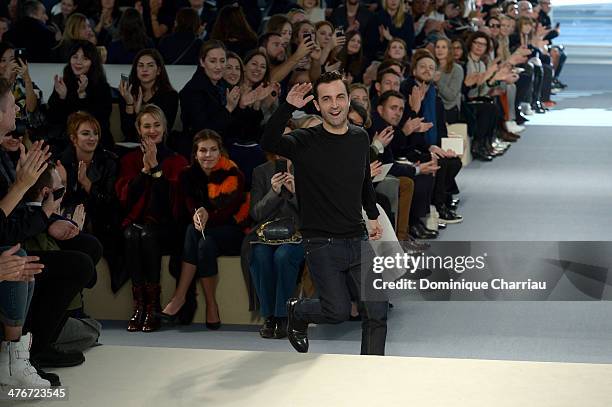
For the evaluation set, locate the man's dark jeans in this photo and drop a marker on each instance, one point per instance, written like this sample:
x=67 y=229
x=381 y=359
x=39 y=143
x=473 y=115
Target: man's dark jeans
x=329 y=261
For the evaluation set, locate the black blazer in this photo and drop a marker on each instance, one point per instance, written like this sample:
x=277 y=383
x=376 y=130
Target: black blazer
x=202 y=106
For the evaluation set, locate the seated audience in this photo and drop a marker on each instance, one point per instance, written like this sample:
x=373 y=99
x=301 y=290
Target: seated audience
x=212 y=189
x=449 y=80
x=70 y=259
x=82 y=87
x=398 y=51
x=182 y=47
x=274 y=267
x=146 y=188
x=90 y=173
x=234 y=30
x=148 y=84
x=385 y=130
x=106 y=21
x=425 y=102
x=394 y=22
x=234 y=69
x=27 y=95
x=132 y=37
x=207 y=102
x=17 y=270
x=329 y=39
x=77 y=29
x=351 y=57
x=312 y=10
x=31 y=32
x=67 y=7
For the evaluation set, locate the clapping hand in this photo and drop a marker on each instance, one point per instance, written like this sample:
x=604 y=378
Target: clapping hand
x=385 y=136
x=31 y=164
x=232 y=97
x=18 y=268
x=83 y=82
x=384 y=33
x=78 y=216
x=149 y=154
x=416 y=97
x=82 y=177
x=60 y=87
x=412 y=125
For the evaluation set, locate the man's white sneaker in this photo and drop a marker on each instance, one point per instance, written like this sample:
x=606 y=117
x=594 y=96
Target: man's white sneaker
x=15 y=367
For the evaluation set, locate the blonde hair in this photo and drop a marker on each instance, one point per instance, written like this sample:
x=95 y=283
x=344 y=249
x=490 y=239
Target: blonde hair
x=154 y=111
x=73 y=26
x=400 y=14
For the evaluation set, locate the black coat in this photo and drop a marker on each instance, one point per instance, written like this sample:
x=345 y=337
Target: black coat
x=101 y=202
x=98 y=103
x=180 y=48
x=35 y=37
x=202 y=105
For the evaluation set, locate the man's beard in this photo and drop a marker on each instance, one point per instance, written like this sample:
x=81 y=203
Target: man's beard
x=336 y=121
x=277 y=60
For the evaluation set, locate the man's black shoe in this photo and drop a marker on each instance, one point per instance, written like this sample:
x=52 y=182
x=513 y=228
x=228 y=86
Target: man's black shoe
x=418 y=231
x=53 y=357
x=297 y=330
x=267 y=329
x=448 y=216
x=431 y=231
x=280 y=329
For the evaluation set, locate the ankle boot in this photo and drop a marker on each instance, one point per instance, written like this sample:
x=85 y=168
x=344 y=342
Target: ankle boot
x=138 y=294
x=152 y=321
x=406 y=190
x=15 y=367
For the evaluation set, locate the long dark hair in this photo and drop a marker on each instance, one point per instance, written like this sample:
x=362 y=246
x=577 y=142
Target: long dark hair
x=95 y=75
x=351 y=63
x=116 y=13
x=253 y=53
x=162 y=82
x=132 y=31
x=232 y=24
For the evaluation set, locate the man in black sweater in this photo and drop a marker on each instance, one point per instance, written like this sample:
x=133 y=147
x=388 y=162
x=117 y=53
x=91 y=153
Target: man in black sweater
x=332 y=169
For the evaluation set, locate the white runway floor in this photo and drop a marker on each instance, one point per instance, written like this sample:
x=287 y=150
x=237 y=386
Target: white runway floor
x=131 y=376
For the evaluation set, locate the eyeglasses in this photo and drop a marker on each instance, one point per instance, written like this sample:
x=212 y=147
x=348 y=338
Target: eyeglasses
x=494 y=26
x=481 y=43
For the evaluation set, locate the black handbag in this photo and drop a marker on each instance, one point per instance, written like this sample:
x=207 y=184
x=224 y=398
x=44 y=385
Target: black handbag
x=279 y=231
